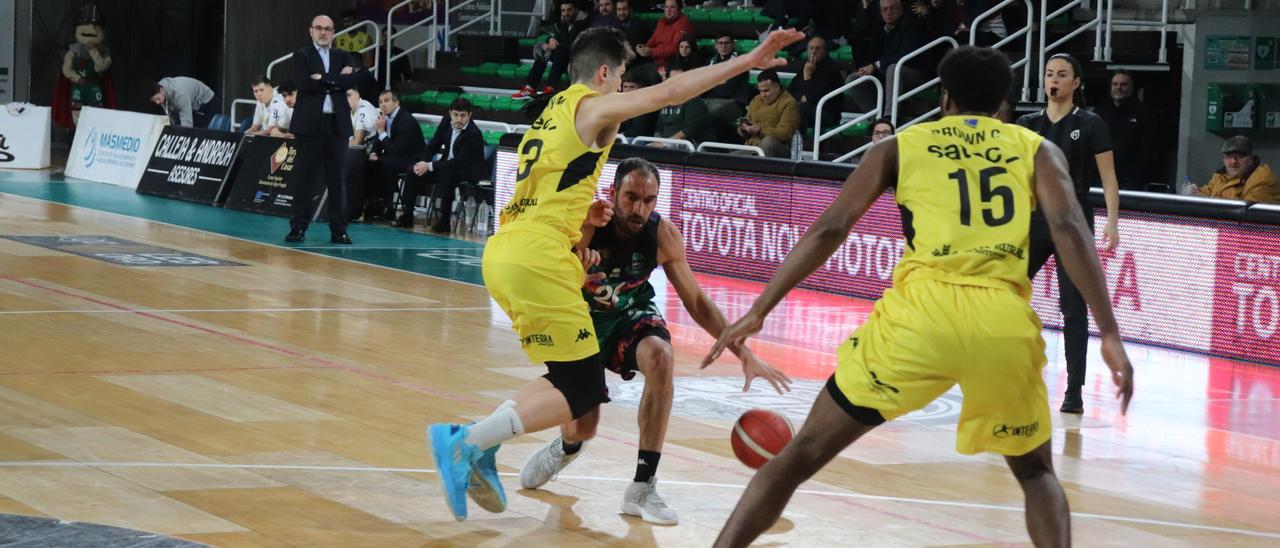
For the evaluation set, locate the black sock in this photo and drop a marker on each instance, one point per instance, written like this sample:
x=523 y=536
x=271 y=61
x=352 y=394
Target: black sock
x=646 y=465
x=570 y=448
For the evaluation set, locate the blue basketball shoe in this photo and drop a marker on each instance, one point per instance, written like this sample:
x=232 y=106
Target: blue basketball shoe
x=453 y=456
x=486 y=488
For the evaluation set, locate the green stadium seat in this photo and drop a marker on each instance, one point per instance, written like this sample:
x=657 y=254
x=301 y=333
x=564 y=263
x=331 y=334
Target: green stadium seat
x=512 y=71
x=649 y=16
x=492 y=137
x=721 y=16
x=743 y=16
x=428 y=130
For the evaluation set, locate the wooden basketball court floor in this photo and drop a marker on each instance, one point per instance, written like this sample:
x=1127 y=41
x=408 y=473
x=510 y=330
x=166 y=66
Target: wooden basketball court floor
x=282 y=402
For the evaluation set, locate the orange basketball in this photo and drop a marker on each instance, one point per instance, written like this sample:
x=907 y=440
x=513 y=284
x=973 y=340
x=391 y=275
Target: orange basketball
x=758 y=435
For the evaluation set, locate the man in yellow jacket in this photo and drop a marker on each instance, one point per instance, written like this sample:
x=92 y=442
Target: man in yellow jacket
x=772 y=117
x=1242 y=175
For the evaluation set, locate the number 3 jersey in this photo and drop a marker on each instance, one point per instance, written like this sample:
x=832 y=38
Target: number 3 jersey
x=556 y=173
x=626 y=263
x=966 y=192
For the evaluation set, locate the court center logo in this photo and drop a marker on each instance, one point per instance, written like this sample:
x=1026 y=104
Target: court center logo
x=722 y=398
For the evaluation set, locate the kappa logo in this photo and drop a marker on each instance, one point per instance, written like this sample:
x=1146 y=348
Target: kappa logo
x=583 y=335
x=1075 y=135
x=1024 y=431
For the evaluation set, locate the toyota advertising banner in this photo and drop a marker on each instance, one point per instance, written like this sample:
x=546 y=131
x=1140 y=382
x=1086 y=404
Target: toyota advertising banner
x=190 y=164
x=1202 y=285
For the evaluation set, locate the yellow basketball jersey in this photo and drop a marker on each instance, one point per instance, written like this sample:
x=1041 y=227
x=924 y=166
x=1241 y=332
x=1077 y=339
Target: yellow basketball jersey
x=556 y=173
x=966 y=193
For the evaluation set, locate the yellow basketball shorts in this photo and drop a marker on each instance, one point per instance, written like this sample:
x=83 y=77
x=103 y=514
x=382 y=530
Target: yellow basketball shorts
x=537 y=280
x=925 y=336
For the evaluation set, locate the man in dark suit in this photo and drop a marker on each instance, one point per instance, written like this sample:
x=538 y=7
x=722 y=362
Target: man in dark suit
x=461 y=148
x=397 y=143
x=322 y=124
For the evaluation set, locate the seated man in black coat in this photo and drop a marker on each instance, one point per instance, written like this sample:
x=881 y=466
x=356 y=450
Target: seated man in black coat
x=461 y=148
x=396 y=145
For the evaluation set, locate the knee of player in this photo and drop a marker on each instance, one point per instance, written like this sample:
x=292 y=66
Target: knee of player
x=656 y=358
x=1029 y=467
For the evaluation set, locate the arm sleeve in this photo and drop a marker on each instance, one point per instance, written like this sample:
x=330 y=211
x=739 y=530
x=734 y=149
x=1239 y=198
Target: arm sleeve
x=183 y=105
x=1099 y=135
x=1261 y=187
x=301 y=78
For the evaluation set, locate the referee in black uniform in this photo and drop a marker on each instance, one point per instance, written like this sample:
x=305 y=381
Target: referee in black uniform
x=1084 y=138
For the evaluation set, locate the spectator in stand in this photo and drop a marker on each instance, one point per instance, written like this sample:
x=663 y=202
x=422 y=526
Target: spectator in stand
x=1242 y=176
x=645 y=124
x=636 y=31
x=687 y=54
x=1134 y=135
x=882 y=129
x=866 y=19
x=460 y=145
x=772 y=117
x=187 y=101
x=689 y=121
x=603 y=16
x=555 y=49
x=728 y=101
x=355 y=40
x=896 y=37
x=398 y=142
x=266 y=97
x=663 y=46
x=280 y=114
x=818 y=76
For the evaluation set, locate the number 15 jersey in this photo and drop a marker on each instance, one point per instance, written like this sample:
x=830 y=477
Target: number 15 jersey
x=556 y=173
x=966 y=193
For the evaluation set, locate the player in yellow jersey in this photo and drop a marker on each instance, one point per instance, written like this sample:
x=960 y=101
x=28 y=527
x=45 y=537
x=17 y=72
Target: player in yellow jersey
x=959 y=309
x=530 y=267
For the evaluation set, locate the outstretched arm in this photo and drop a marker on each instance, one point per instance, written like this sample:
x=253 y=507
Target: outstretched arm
x=1075 y=250
x=597 y=113
x=671 y=255
x=877 y=170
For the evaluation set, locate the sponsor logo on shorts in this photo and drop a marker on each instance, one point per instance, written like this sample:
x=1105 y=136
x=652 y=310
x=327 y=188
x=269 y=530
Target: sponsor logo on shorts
x=881 y=385
x=540 y=339
x=1024 y=431
x=583 y=335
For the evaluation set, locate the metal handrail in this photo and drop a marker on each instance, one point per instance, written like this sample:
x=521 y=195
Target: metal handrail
x=377 y=42
x=1045 y=16
x=729 y=146
x=682 y=143
x=896 y=99
x=1026 y=30
x=484 y=125
x=391 y=36
x=819 y=136
x=235 y=120
x=1163 y=25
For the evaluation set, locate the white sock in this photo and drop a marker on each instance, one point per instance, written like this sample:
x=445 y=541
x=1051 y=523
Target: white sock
x=501 y=426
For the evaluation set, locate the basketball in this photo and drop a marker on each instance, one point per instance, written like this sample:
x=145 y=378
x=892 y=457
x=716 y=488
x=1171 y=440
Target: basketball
x=758 y=435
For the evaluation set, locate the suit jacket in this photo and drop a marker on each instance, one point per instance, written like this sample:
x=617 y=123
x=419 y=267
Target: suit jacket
x=311 y=93
x=468 y=154
x=404 y=139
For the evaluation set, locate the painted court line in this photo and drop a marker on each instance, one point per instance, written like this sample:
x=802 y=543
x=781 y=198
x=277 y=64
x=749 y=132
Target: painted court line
x=837 y=494
x=242 y=310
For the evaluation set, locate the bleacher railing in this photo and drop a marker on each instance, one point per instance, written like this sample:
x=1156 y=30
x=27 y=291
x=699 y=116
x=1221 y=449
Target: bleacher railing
x=819 y=136
x=681 y=143
x=391 y=37
x=1025 y=32
x=1045 y=16
x=235 y=120
x=712 y=146
x=898 y=98
x=1162 y=26
x=375 y=46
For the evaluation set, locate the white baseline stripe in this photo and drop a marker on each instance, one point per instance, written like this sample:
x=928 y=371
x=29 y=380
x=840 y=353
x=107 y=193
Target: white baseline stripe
x=374 y=469
x=243 y=310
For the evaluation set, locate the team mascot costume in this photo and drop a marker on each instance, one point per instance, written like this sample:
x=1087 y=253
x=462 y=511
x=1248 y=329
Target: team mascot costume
x=85 y=80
